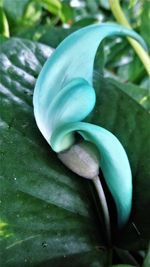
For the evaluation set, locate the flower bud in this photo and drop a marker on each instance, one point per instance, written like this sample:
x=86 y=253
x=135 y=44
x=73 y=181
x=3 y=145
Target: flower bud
x=82 y=159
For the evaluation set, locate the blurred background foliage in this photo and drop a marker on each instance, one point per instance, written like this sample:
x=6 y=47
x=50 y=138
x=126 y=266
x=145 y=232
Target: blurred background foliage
x=50 y=21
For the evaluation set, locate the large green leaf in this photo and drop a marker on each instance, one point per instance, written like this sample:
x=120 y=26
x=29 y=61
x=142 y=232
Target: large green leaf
x=46 y=34
x=15 y=9
x=119 y=113
x=48 y=215
x=141 y=95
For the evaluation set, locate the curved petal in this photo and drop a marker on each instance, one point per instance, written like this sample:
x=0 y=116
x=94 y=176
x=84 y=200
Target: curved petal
x=73 y=58
x=71 y=104
x=113 y=162
x=64 y=96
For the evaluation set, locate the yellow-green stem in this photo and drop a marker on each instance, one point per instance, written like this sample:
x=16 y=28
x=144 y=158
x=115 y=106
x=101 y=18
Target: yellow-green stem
x=4 y=27
x=120 y=17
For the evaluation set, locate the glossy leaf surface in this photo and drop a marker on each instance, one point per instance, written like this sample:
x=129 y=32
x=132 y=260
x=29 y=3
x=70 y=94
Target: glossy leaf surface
x=47 y=212
x=131 y=124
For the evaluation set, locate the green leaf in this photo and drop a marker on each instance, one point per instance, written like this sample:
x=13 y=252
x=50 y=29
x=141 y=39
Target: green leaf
x=132 y=3
x=92 y=6
x=133 y=71
x=145 y=26
x=32 y=15
x=119 y=113
x=85 y=21
x=54 y=35
x=2 y=39
x=14 y=9
x=147 y=258
x=48 y=35
x=48 y=214
x=139 y=94
x=67 y=13
x=53 y=6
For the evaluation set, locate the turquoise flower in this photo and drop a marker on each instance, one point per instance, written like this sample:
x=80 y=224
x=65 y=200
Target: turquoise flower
x=64 y=96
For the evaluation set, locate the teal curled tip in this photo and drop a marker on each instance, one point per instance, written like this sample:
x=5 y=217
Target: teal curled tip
x=64 y=96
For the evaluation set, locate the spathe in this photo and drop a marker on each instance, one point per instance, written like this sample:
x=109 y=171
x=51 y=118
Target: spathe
x=64 y=96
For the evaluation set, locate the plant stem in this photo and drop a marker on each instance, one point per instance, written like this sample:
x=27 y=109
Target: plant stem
x=101 y=195
x=121 y=18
